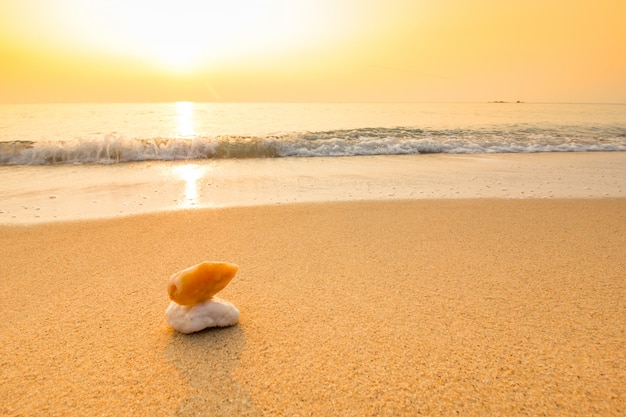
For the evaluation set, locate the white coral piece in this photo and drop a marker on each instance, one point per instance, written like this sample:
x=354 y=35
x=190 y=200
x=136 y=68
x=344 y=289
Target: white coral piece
x=211 y=313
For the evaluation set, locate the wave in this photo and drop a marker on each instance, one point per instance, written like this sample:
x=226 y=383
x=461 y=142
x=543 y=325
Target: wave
x=114 y=148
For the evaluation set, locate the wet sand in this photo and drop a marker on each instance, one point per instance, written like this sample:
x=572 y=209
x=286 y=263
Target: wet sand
x=39 y=194
x=380 y=308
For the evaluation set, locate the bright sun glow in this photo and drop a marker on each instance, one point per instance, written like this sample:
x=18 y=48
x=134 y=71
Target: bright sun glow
x=177 y=57
x=310 y=50
x=187 y=34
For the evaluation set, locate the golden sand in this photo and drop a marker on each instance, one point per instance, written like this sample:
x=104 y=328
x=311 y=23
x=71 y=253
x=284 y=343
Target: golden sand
x=475 y=307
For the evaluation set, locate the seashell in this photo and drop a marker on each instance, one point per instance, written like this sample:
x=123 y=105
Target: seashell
x=200 y=282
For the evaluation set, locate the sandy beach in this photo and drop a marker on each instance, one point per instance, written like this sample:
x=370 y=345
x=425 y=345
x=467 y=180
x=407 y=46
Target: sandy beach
x=380 y=308
x=403 y=208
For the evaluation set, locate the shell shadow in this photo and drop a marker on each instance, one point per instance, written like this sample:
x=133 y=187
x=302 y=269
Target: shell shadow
x=205 y=361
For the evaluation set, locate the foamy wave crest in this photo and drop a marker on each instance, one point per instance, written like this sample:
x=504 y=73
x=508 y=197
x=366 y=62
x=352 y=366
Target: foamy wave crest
x=114 y=149
x=366 y=141
x=399 y=141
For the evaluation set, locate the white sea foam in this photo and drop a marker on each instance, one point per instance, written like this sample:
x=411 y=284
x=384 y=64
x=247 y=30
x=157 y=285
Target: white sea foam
x=116 y=148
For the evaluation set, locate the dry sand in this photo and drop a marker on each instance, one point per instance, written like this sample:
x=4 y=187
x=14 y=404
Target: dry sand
x=432 y=307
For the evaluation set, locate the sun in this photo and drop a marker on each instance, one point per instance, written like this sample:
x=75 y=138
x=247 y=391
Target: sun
x=176 y=55
x=178 y=36
x=188 y=34
x=178 y=60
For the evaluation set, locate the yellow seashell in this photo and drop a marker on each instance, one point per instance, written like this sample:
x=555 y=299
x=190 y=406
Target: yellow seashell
x=200 y=282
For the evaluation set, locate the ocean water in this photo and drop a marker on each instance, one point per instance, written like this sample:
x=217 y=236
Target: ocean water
x=49 y=134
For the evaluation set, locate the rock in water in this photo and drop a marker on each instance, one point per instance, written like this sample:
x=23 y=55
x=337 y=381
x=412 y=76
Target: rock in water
x=210 y=313
x=200 y=282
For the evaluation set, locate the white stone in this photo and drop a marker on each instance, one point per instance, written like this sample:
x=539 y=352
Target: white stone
x=211 y=313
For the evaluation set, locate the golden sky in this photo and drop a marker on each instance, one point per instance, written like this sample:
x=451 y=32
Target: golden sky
x=312 y=50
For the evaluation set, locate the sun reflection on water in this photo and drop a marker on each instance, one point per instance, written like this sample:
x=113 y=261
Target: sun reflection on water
x=184 y=119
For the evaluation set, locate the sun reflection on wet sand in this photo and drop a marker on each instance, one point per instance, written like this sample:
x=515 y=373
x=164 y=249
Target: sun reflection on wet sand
x=189 y=173
x=185 y=120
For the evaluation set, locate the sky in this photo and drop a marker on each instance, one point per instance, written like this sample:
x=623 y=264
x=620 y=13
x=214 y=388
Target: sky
x=312 y=50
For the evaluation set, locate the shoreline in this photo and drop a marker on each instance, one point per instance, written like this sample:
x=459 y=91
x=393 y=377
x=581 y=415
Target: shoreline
x=40 y=194
x=473 y=306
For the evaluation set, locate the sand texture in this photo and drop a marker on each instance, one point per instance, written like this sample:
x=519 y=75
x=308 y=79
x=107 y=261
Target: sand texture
x=433 y=307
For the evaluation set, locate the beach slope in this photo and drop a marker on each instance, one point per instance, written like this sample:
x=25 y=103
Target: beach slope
x=387 y=308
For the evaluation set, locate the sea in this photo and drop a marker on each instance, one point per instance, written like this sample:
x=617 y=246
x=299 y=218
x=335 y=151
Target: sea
x=60 y=134
x=66 y=162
